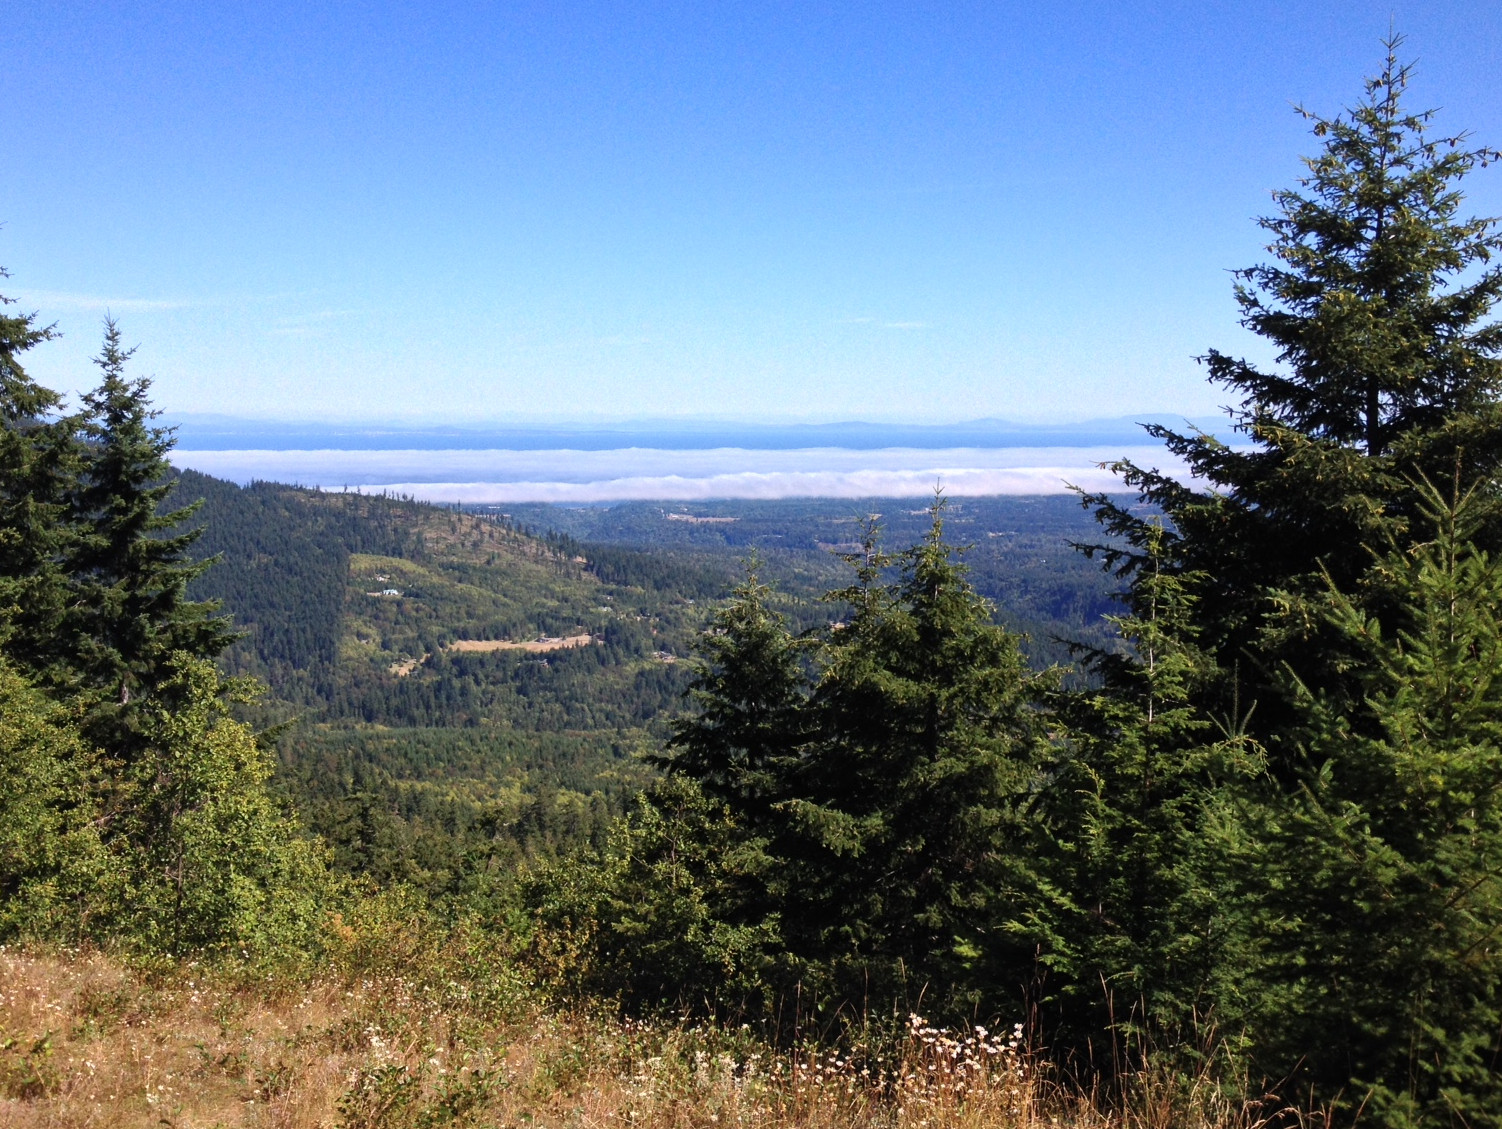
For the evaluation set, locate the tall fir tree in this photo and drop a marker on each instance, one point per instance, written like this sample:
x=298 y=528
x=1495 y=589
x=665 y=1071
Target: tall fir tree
x=38 y=464
x=1322 y=583
x=22 y=400
x=743 y=744
x=742 y=740
x=132 y=807
x=1377 y=303
x=131 y=564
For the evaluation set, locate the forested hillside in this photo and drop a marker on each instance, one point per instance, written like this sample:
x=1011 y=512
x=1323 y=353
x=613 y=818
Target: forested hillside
x=411 y=755
x=302 y=575
x=369 y=620
x=352 y=607
x=1019 y=551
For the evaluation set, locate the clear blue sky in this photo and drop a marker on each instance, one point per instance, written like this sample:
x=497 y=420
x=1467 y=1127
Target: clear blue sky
x=490 y=211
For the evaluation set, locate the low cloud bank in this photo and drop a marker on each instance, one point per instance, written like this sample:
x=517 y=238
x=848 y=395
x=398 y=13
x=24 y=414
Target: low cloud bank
x=638 y=473
x=956 y=482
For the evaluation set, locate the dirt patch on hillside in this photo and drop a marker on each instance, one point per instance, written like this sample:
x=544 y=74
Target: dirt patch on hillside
x=547 y=643
x=693 y=519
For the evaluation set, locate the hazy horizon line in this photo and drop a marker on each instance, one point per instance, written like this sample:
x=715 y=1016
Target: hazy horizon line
x=234 y=434
x=613 y=422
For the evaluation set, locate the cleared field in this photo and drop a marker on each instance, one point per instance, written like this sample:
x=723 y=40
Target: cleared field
x=545 y=644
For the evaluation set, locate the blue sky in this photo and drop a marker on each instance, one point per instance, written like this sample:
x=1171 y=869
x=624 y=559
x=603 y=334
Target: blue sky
x=452 y=213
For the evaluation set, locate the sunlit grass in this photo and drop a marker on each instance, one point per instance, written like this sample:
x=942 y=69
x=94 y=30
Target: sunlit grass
x=90 y=1042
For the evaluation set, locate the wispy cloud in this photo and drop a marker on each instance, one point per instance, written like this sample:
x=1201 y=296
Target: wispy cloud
x=305 y=325
x=907 y=325
x=314 y=318
x=62 y=299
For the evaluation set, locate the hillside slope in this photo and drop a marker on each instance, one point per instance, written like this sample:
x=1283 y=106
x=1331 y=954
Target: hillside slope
x=461 y=690
x=378 y=610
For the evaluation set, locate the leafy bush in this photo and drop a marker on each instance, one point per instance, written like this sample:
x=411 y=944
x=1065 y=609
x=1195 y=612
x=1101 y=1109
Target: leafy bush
x=56 y=878
x=213 y=863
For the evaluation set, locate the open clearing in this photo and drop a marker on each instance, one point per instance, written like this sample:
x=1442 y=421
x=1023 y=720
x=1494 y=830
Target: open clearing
x=543 y=644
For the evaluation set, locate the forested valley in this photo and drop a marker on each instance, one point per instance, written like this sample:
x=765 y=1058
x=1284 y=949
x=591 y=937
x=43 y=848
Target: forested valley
x=1174 y=806
x=417 y=761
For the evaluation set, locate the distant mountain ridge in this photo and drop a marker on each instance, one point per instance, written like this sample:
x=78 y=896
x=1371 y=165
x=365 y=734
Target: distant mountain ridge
x=227 y=433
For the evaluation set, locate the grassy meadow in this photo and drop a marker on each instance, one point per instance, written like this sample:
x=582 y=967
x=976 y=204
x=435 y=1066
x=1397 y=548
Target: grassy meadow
x=91 y=1041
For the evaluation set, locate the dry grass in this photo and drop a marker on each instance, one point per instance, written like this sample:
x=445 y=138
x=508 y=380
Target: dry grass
x=87 y=1042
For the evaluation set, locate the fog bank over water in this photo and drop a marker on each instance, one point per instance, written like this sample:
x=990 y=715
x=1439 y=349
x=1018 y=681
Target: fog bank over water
x=639 y=473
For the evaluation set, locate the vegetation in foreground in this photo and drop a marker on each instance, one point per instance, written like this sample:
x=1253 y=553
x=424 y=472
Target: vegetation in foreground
x=90 y=1042
x=1262 y=851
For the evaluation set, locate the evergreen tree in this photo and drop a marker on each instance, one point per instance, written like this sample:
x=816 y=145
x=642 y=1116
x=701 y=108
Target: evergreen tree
x=1128 y=908
x=1377 y=884
x=154 y=825
x=838 y=846
x=927 y=747
x=659 y=919
x=129 y=566
x=1352 y=882
x=1377 y=304
x=22 y=400
x=38 y=464
x=744 y=737
x=742 y=749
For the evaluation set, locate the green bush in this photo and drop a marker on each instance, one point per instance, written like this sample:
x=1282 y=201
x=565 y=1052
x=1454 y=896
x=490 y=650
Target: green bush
x=56 y=878
x=213 y=862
